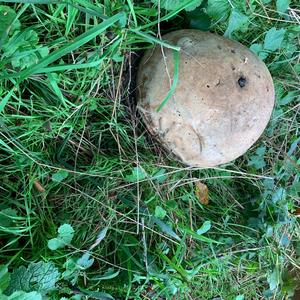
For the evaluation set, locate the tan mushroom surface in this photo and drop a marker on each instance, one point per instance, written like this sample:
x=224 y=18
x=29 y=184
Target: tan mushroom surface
x=222 y=102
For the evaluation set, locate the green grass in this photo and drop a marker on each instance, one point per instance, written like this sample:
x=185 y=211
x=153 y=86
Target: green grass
x=73 y=150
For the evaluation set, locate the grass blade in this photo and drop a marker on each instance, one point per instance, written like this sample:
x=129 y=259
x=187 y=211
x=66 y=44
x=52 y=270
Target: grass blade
x=32 y=1
x=165 y=228
x=72 y=13
x=130 y=4
x=154 y=40
x=171 y=14
x=4 y=100
x=78 y=42
x=176 y=57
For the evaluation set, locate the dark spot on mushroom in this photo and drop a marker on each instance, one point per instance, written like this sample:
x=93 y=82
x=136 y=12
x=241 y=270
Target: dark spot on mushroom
x=232 y=51
x=185 y=62
x=208 y=86
x=219 y=47
x=232 y=68
x=242 y=81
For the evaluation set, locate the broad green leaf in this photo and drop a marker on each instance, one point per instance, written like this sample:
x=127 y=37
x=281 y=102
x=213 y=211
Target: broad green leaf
x=160 y=212
x=172 y=204
x=65 y=236
x=159 y=176
x=261 y=150
x=165 y=228
x=204 y=228
x=138 y=174
x=294 y=146
x=278 y=195
x=175 y=4
x=237 y=20
x=4 y=278
x=8 y=22
x=43 y=276
x=72 y=271
x=274 y=279
x=20 y=295
x=19 y=281
x=34 y=1
x=109 y=274
x=85 y=261
x=7 y=216
x=269 y=183
x=257 y=161
x=282 y=5
x=21 y=41
x=258 y=50
x=274 y=38
x=284 y=240
x=218 y=9
x=193 y=6
x=291 y=96
x=60 y=175
x=98 y=295
x=295 y=187
x=26 y=59
x=76 y=297
x=118 y=57
x=199 y=20
x=39 y=276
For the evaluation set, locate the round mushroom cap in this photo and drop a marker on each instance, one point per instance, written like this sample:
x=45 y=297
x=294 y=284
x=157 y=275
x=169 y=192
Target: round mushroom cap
x=222 y=102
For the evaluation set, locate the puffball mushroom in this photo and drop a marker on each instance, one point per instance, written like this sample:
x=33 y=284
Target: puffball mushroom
x=222 y=102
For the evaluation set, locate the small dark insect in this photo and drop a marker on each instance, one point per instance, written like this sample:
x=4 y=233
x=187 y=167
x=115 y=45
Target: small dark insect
x=242 y=81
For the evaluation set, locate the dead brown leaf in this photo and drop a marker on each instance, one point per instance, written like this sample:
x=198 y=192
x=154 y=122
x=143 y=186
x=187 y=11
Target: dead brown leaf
x=201 y=191
x=38 y=186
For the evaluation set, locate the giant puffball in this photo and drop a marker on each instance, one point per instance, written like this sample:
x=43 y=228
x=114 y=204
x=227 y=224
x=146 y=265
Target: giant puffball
x=222 y=103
